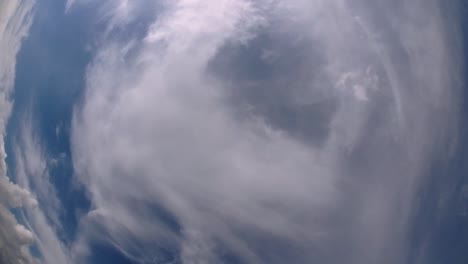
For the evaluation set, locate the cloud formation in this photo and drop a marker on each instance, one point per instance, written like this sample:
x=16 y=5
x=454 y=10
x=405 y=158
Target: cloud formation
x=32 y=172
x=15 y=19
x=264 y=131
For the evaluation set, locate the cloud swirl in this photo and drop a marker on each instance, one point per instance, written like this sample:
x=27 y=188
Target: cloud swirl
x=264 y=131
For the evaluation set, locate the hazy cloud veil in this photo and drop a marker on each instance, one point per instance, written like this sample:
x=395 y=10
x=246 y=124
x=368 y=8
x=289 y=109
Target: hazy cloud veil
x=265 y=131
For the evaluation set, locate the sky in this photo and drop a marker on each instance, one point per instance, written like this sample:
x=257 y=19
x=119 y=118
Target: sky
x=233 y=131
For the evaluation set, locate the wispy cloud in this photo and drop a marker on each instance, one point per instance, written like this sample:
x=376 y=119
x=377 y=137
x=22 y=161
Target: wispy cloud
x=192 y=141
x=15 y=19
x=32 y=172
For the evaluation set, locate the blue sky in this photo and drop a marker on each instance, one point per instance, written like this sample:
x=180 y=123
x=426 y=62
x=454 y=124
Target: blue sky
x=233 y=132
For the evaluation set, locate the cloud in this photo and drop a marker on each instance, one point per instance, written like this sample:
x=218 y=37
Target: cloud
x=13 y=27
x=32 y=172
x=15 y=19
x=195 y=145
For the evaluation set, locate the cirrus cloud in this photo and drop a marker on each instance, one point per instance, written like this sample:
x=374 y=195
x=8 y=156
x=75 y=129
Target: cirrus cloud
x=15 y=19
x=265 y=132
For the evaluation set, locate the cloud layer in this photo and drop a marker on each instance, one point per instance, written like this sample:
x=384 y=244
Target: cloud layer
x=264 y=131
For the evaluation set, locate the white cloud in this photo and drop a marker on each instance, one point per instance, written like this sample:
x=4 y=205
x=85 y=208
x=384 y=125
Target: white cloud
x=159 y=131
x=15 y=19
x=32 y=172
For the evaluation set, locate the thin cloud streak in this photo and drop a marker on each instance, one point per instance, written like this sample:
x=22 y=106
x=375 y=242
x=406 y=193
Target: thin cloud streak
x=32 y=172
x=15 y=20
